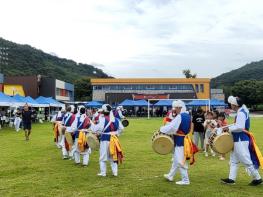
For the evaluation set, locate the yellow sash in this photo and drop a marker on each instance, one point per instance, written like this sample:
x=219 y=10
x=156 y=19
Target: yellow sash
x=82 y=141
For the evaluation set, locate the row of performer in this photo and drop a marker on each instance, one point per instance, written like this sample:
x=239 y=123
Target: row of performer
x=235 y=138
x=77 y=135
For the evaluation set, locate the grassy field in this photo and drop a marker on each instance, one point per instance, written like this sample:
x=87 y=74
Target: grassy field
x=36 y=168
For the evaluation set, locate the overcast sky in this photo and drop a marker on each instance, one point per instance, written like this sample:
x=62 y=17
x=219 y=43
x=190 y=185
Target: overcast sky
x=141 y=38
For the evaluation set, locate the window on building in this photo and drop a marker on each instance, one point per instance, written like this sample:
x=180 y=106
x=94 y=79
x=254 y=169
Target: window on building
x=201 y=87
x=197 y=88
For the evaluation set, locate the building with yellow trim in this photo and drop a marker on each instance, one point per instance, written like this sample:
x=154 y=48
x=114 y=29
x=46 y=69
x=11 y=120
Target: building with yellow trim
x=114 y=91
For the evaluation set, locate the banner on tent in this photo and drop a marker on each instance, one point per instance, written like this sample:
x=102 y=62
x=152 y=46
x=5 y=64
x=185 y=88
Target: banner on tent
x=150 y=96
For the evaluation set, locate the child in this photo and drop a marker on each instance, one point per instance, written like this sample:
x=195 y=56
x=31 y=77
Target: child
x=221 y=123
x=209 y=125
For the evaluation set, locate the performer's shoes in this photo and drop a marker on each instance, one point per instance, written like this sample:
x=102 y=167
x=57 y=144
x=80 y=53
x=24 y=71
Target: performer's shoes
x=182 y=183
x=255 y=182
x=65 y=157
x=100 y=174
x=115 y=174
x=167 y=177
x=228 y=181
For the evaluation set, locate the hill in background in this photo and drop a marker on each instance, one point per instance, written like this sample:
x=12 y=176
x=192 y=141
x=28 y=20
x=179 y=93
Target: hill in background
x=252 y=71
x=26 y=60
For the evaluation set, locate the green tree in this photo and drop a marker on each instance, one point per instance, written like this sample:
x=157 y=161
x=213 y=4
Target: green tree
x=83 y=89
x=250 y=91
x=187 y=73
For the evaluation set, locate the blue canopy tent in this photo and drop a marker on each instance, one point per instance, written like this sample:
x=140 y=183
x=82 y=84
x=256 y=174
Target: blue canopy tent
x=127 y=102
x=8 y=101
x=34 y=103
x=54 y=103
x=93 y=104
x=20 y=99
x=216 y=102
x=198 y=103
x=140 y=103
x=164 y=103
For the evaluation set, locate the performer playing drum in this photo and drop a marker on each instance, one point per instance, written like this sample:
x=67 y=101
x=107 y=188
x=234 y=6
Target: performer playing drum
x=180 y=126
x=67 y=121
x=244 y=148
x=108 y=126
x=118 y=114
x=80 y=147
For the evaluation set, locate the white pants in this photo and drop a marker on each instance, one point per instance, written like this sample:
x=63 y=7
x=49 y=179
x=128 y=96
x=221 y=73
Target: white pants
x=59 y=143
x=85 y=154
x=17 y=122
x=177 y=164
x=198 y=135
x=241 y=154
x=74 y=148
x=63 y=149
x=104 y=157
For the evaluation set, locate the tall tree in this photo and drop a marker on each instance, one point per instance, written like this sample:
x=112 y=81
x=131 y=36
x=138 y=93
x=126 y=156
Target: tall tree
x=83 y=89
x=187 y=73
x=250 y=91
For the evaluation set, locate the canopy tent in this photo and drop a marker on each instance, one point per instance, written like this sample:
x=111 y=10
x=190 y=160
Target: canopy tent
x=54 y=103
x=8 y=101
x=164 y=103
x=42 y=100
x=198 y=103
x=140 y=103
x=93 y=104
x=134 y=103
x=20 y=99
x=216 y=102
x=127 y=102
x=34 y=103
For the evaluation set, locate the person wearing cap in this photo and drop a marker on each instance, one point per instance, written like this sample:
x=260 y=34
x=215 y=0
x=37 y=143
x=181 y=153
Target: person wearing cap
x=67 y=121
x=179 y=126
x=81 y=123
x=241 y=152
x=108 y=125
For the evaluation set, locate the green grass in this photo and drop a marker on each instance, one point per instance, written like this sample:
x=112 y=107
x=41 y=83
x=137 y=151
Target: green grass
x=36 y=168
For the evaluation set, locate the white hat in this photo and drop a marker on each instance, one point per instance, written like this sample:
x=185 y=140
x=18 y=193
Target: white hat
x=232 y=100
x=178 y=103
x=100 y=110
x=106 y=108
x=119 y=107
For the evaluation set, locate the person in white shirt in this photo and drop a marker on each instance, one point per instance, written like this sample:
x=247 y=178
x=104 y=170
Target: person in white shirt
x=241 y=152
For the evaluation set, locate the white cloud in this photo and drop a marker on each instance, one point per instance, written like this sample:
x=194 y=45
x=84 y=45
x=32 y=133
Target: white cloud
x=141 y=38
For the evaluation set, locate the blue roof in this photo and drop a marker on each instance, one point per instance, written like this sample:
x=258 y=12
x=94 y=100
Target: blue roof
x=164 y=103
x=198 y=103
x=93 y=104
x=6 y=100
x=127 y=102
x=216 y=102
x=140 y=103
x=49 y=100
x=20 y=98
x=134 y=103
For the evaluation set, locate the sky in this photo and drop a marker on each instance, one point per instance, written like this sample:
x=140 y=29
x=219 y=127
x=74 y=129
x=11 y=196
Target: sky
x=141 y=38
